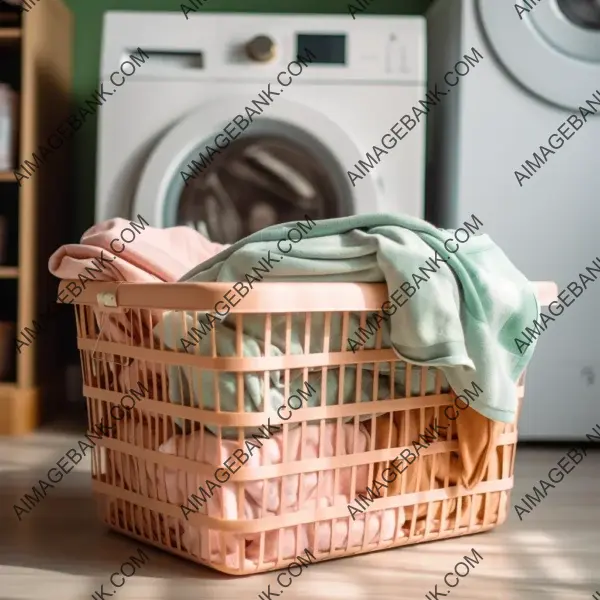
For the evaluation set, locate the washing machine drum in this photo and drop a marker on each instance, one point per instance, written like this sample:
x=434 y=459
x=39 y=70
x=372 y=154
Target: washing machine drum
x=260 y=182
x=584 y=13
x=551 y=47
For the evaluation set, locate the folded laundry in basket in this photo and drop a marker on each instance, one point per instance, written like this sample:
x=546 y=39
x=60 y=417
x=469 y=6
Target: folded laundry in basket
x=153 y=255
x=194 y=386
x=309 y=491
x=278 y=495
x=470 y=300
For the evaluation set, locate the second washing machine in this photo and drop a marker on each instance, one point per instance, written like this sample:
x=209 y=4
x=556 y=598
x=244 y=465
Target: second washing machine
x=515 y=143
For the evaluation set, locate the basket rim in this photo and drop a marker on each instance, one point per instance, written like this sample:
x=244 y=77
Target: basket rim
x=274 y=297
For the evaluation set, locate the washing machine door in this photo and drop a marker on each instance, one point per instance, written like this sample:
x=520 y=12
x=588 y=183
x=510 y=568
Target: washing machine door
x=284 y=166
x=551 y=48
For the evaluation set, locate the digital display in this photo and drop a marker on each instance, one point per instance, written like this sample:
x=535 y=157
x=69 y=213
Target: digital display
x=329 y=49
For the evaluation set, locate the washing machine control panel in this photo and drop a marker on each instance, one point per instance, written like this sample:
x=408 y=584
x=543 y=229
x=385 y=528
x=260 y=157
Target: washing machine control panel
x=246 y=47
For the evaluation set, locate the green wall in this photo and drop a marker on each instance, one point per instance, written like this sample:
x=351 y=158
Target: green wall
x=86 y=56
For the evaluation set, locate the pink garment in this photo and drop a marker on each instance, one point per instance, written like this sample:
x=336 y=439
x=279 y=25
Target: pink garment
x=176 y=486
x=128 y=472
x=154 y=255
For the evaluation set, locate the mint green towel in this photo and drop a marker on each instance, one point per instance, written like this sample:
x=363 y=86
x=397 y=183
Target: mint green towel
x=463 y=318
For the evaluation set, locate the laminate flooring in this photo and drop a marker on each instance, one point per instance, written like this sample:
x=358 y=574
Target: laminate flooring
x=61 y=551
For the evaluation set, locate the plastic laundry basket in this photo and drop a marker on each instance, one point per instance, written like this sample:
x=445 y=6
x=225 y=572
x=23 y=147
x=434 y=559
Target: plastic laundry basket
x=295 y=497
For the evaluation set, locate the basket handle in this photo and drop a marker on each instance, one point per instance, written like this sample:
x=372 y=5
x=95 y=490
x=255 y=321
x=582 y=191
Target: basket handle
x=107 y=300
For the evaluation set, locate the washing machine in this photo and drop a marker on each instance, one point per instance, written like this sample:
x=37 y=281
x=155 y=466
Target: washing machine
x=541 y=63
x=293 y=160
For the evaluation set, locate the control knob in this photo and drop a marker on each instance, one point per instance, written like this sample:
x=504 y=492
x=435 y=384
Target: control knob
x=260 y=48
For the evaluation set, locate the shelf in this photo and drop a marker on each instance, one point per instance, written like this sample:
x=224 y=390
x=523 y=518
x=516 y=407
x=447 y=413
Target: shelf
x=43 y=86
x=9 y=17
x=10 y=33
x=9 y=272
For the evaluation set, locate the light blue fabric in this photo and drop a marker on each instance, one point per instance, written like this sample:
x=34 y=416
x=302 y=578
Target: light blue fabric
x=463 y=317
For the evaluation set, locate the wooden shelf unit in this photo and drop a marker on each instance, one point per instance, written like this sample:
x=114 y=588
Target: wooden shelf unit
x=9 y=272
x=10 y=33
x=41 y=40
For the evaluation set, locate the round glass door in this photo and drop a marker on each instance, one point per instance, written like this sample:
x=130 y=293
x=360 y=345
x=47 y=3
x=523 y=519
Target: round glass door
x=258 y=182
x=285 y=167
x=583 y=13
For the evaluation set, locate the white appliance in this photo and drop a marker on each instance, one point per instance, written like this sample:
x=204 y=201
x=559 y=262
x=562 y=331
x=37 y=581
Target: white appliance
x=203 y=71
x=536 y=72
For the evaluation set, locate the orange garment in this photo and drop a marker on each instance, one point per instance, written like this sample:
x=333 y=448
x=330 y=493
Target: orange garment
x=477 y=454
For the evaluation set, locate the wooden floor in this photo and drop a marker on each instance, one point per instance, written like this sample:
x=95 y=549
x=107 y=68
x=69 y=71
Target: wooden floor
x=60 y=552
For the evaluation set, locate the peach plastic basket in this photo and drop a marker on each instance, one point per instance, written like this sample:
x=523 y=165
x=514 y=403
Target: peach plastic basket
x=129 y=472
